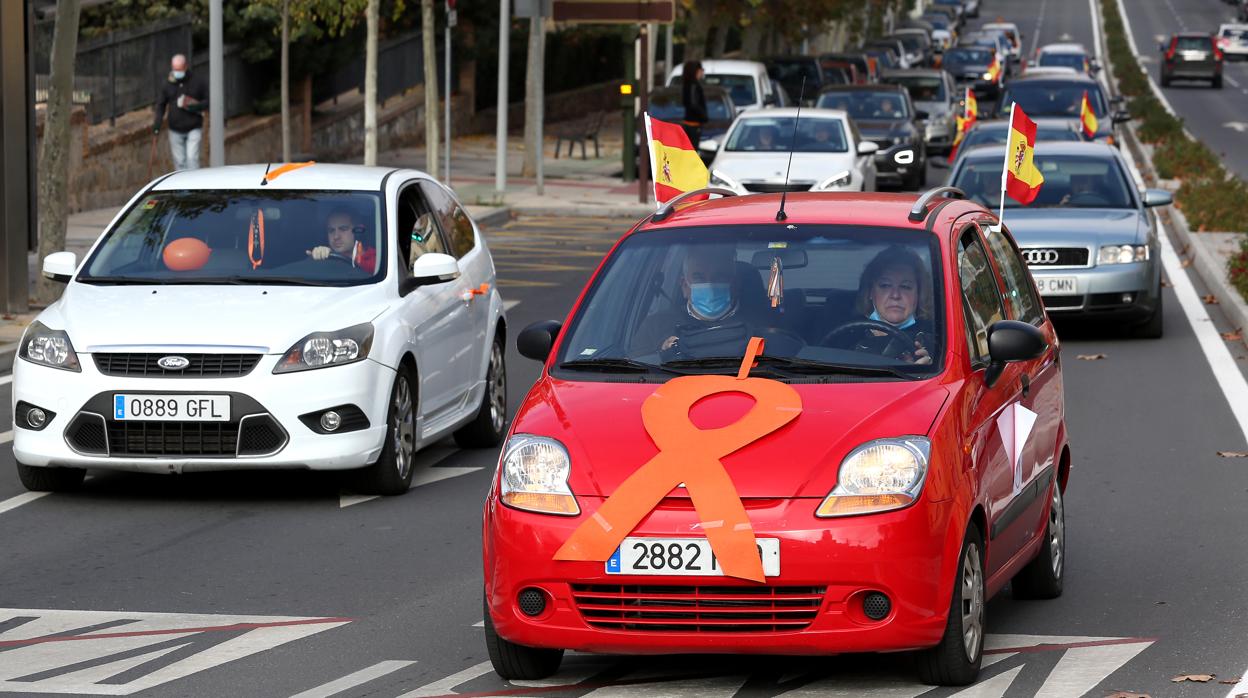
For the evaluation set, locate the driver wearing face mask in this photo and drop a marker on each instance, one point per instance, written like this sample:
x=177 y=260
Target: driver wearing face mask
x=709 y=289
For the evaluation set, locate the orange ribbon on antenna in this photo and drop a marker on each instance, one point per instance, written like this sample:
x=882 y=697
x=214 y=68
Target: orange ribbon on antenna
x=255 y=239
x=690 y=454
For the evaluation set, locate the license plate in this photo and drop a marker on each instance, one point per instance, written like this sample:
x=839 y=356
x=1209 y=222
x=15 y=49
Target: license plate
x=689 y=557
x=172 y=408
x=1058 y=285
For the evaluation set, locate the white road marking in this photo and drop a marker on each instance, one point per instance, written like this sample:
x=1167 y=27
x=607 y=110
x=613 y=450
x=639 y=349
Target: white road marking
x=350 y=500
x=991 y=688
x=8 y=377
x=24 y=498
x=479 y=624
x=1081 y=668
x=427 y=476
x=445 y=686
x=718 y=687
x=1035 y=38
x=1126 y=28
x=6 y=437
x=508 y=305
x=358 y=678
x=1239 y=126
x=1231 y=81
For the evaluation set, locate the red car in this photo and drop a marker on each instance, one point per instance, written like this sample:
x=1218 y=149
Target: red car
x=905 y=457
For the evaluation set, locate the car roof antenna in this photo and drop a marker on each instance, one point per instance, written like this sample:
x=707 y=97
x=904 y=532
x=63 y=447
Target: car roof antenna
x=784 y=193
x=265 y=178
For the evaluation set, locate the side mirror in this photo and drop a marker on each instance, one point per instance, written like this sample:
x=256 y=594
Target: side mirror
x=709 y=144
x=770 y=100
x=430 y=268
x=1122 y=116
x=1011 y=340
x=60 y=266
x=1157 y=197
x=867 y=147
x=534 y=342
x=921 y=115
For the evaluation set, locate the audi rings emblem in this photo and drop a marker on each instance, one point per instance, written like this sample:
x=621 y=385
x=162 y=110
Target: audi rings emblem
x=173 y=363
x=1040 y=257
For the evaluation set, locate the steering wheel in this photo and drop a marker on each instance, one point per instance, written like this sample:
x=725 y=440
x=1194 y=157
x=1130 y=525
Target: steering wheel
x=895 y=335
x=339 y=258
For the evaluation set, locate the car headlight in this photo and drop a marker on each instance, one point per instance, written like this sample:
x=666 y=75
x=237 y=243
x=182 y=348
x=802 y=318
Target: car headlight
x=877 y=476
x=719 y=179
x=535 y=472
x=987 y=76
x=1123 y=254
x=842 y=179
x=321 y=349
x=48 y=347
x=898 y=140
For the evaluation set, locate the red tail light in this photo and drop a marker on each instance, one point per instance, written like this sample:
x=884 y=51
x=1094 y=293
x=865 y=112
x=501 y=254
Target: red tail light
x=1217 y=52
x=1174 y=43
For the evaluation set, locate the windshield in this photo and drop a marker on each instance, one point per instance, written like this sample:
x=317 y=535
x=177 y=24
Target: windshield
x=669 y=108
x=968 y=56
x=911 y=42
x=1235 y=32
x=1070 y=181
x=774 y=134
x=681 y=298
x=869 y=105
x=921 y=88
x=1052 y=98
x=937 y=20
x=1064 y=60
x=1193 y=43
x=740 y=87
x=252 y=236
x=996 y=136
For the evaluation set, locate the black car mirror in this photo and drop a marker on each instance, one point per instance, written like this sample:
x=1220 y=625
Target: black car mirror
x=534 y=342
x=1122 y=116
x=1009 y=341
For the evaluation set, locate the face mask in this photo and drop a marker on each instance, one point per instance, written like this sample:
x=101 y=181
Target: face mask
x=710 y=301
x=179 y=74
x=876 y=316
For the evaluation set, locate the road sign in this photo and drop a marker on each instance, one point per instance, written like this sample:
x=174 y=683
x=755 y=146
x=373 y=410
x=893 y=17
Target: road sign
x=615 y=11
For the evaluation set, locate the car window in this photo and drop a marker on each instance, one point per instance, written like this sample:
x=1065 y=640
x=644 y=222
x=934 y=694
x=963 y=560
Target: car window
x=740 y=87
x=1019 y=293
x=982 y=300
x=1063 y=60
x=1193 y=43
x=768 y=134
x=971 y=56
x=996 y=136
x=1053 y=98
x=455 y=222
x=1235 y=33
x=922 y=88
x=1070 y=181
x=871 y=105
x=244 y=236
x=419 y=229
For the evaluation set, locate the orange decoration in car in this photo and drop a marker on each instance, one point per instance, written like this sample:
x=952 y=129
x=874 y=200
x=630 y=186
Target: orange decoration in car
x=186 y=254
x=691 y=455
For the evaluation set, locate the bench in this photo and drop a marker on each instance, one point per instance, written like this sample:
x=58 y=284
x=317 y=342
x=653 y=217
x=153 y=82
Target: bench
x=579 y=130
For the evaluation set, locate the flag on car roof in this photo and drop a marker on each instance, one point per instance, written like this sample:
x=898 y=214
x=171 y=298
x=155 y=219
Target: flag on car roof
x=994 y=70
x=964 y=121
x=675 y=165
x=1022 y=178
x=1087 y=118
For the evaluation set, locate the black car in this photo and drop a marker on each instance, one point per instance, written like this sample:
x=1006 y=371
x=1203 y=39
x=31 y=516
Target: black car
x=667 y=105
x=790 y=71
x=884 y=115
x=970 y=65
x=863 y=66
x=1061 y=96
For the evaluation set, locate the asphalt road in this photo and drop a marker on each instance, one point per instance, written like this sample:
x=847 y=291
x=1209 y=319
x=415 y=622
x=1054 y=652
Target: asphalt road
x=284 y=584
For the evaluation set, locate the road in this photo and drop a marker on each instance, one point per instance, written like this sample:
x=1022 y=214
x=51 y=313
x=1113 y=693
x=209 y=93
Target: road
x=286 y=584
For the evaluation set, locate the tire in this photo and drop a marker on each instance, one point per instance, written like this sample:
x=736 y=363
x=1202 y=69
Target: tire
x=518 y=662
x=1217 y=82
x=1154 y=327
x=1042 y=577
x=487 y=428
x=38 y=479
x=392 y=473
x=955 y=661
x=1165 y=80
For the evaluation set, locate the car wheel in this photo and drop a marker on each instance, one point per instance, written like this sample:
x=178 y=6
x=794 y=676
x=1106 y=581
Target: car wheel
x=955 y=661
x=1154 y=327
x=392 y=473
x=1165 y=80
x=1217 y=82
x=487 y=428
x=1042 y=577
x=518 y=662
x=38 y=479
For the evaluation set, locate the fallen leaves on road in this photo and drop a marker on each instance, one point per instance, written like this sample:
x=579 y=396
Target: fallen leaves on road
x=1185 y=263
x=1232 y=454
x=1196 y=678
x=1210 y=299
x=1234 y=335
x=1165 y=284
x=1092 y=357
x=1231 y=682
x=1128 y=694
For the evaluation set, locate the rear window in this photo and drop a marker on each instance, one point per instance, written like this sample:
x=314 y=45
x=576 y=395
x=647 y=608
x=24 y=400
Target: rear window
x=1234 y=33
x=740 y=87
x=969 y=55
x=870 y=105
x=668 y=108
x=1070 y=181
x=1193 y=43
x=921 y=88
x=1063 y=60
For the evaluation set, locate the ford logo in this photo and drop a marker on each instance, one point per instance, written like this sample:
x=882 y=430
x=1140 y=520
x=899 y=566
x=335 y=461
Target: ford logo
x=173 y=363
x=1038 y=257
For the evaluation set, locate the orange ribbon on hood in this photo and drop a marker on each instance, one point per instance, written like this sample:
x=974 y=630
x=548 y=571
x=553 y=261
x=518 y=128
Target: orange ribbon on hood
x=690 y=454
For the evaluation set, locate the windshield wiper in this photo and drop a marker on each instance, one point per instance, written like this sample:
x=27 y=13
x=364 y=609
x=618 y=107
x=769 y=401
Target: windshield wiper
x=271 y=280
x=121 y=280
x=793 y=365
x=609 y=364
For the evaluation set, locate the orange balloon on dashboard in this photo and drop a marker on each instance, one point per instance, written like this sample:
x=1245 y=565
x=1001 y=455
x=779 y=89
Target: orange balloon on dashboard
x=186 y=254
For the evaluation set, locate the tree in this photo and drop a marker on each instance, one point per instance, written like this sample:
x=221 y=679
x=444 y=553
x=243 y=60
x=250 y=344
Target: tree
x=54 y=152
x=428 y=38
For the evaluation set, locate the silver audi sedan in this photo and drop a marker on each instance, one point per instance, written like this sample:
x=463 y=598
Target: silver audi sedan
x=1088 y=238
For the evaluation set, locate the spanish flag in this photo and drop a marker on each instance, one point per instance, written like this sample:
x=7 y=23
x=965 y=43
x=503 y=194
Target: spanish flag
x=969 y=115
x=1087 y=118
x=1022 y=179
x=994 y=70
x=674 y=162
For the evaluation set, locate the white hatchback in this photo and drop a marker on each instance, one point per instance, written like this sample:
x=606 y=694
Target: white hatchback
x=329 y=317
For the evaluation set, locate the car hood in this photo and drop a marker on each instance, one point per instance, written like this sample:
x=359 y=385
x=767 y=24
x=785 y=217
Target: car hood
x=269 y=318
x=601 y=426
x=876 y=130
x=770 y=167
x=1076 y=226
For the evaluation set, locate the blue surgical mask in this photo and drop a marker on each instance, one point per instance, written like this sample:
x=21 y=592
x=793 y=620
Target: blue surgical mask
x=179 y=74
x=710 y=301
x=876 y=316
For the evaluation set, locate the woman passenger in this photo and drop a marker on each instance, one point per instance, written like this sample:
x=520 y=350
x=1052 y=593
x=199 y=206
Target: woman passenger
x=896 y=290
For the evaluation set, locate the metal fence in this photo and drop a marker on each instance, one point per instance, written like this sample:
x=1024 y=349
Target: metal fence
x=400 y=67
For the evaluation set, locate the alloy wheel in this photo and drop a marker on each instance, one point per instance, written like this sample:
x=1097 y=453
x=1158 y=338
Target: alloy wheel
x=972 y=603
x=497 y=388
x=1057 y=533
x=403 y=427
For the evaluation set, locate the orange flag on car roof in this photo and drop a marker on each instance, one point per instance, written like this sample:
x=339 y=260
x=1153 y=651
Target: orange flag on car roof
x=675 y=165
x=1087 y=118
x=1022 y=179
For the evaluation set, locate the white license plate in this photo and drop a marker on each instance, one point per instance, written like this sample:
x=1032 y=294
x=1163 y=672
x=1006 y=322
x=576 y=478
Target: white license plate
x=1058 y=285
x=172 y=408
x=689 y=557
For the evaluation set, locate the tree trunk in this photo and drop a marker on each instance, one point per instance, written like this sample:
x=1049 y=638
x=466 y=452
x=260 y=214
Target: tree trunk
x=720 y=42
x=700 y=16
x=370 y=86
x=533 y=92
x=285 y=80
x=428 y=34
x=53 y=171
x=752 y=39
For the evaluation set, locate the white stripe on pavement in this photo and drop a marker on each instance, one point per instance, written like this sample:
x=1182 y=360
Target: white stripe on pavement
x=6 y=437
x=508 y=305
x=24 y=498
x=442 y=687
x=6 y=379
x=358 y=678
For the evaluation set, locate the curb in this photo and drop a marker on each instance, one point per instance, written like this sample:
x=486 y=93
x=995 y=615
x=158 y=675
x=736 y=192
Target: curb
x=496 y=217
x=632 y=212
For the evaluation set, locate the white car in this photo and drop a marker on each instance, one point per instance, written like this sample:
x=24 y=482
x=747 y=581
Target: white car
x=1011 y=31
x=747 y=82
x=328 y=317
x=830 y=154
x=1233 y=40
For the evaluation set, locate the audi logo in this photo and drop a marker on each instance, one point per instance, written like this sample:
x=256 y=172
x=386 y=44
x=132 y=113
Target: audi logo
x=1038 y=257
x=173 y=363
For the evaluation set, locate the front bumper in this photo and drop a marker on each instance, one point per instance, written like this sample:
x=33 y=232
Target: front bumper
x=365 y=384
x=909 y=555
x=1102 y=288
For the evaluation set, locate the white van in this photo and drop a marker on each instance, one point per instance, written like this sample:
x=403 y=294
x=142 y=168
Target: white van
x=746 y=81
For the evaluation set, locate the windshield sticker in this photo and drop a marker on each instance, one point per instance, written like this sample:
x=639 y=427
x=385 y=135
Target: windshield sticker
x=777 y=245
x=150 y=203
x=589 y=352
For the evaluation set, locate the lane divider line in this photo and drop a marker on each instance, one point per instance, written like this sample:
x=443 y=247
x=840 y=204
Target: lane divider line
x=1072 y=645
x=24 y=498
x=6 y=437
x=26 y=642
x=355 y=679
x=8 y=377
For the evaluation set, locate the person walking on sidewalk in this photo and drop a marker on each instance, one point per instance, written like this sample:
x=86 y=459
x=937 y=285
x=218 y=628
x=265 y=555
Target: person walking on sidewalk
x=695 y=101
x=186 y=98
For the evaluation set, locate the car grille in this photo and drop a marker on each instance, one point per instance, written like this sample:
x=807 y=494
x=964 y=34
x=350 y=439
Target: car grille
x=773 y=188
x=87 y=434
x=1055 y=256
x=706 y=609
x=255 y=435
x=200 y=366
